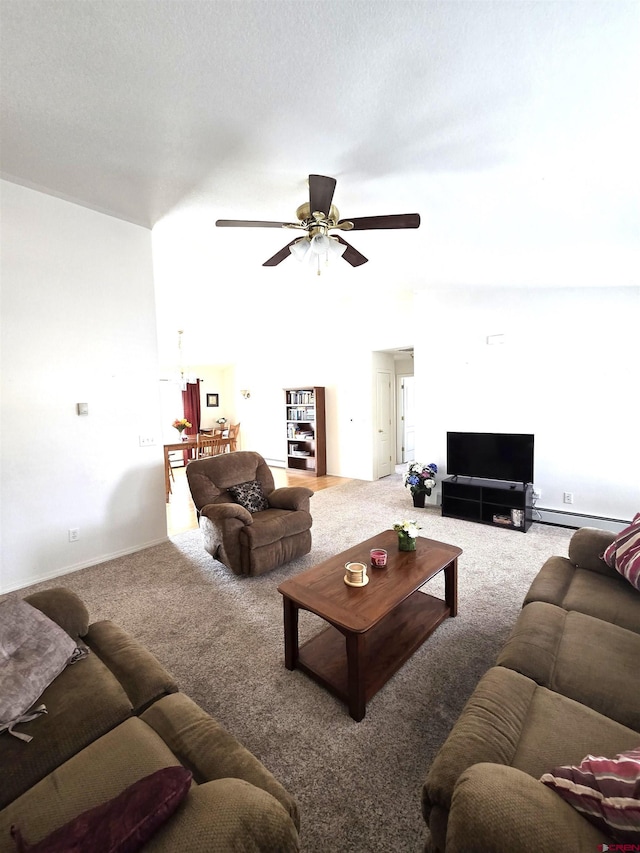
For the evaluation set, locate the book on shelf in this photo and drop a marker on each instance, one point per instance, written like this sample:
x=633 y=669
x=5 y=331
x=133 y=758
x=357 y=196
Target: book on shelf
x=296 y=398
x=300 y=415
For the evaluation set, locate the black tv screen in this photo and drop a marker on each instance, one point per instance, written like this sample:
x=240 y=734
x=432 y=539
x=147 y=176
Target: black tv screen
x=491 y=455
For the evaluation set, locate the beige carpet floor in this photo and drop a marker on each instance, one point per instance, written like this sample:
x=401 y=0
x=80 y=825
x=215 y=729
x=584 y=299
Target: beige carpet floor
x=358 y=784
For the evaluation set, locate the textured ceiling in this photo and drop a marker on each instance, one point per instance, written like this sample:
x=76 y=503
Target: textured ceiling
x=511 y=127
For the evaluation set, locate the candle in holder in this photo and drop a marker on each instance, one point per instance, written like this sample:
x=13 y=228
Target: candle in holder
x=356 y=574
x=378 y=558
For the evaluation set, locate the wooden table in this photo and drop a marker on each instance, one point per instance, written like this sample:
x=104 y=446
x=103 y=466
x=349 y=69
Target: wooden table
x=190 y=443
x=373 y=629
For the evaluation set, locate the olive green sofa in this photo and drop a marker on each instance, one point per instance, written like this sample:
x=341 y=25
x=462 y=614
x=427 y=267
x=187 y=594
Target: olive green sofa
x=565 y=685
x=112 y=719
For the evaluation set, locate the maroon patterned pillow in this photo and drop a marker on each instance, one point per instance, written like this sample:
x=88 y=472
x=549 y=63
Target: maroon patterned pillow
x=124 y=824
x=605 y=790
x=623 y=554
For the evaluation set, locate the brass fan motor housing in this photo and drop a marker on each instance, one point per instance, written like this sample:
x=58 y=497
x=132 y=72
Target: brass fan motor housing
x=303 y=213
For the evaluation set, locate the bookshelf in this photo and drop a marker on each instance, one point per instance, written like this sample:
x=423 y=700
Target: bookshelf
x=306 y=429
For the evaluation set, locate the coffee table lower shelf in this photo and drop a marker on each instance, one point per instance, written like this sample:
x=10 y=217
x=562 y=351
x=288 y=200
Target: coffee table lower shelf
x=381 y=650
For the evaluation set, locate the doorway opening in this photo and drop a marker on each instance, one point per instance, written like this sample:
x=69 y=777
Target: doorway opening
x=395 y=444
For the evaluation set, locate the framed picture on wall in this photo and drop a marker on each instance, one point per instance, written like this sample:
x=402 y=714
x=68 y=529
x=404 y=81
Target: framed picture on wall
x=213 y=400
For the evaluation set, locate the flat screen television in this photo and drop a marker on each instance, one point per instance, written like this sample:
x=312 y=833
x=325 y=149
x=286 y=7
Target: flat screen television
x=491 y=455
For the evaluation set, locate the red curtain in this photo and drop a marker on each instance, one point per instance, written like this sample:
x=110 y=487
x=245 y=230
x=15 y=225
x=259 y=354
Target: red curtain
x=191 y=406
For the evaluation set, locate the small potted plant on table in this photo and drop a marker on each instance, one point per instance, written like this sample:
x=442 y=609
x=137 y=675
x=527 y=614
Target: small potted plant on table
x=407 y=532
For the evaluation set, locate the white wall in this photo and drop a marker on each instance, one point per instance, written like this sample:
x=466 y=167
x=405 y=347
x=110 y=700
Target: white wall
x=78 y=325
x=280 y=327
x=563 y=372
x=214 y=379
x=220 y=380
x=345 y=365
x=347 y=403
x=567 y=372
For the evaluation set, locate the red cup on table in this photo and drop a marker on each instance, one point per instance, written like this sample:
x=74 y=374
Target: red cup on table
x=378 y=558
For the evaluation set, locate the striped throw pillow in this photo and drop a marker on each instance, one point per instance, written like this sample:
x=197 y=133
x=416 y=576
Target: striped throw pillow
x=605 y=790
x=623 y=554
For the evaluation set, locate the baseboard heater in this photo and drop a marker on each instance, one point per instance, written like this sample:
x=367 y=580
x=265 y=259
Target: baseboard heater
x=563 y=518
x=276 y=463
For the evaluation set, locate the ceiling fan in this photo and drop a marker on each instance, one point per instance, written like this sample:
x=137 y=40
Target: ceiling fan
x=317 y=218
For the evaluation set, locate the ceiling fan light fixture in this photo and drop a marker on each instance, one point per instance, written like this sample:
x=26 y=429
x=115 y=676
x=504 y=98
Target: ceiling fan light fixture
x=300 y=248
x=317 y=217
x=320 y=244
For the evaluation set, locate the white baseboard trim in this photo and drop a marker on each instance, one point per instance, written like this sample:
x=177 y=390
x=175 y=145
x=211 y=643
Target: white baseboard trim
x=67 y=570
x=577 y=519
x=276 y=463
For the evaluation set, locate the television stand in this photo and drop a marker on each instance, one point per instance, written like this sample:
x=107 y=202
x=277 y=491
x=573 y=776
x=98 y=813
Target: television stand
x=488 y=501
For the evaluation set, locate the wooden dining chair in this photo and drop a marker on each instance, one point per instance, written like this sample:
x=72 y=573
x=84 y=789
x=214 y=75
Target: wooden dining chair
x=210 y=445
x=170 y=475
x=234 y=431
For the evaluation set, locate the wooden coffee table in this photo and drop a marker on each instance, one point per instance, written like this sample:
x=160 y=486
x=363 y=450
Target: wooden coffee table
x=372 y=629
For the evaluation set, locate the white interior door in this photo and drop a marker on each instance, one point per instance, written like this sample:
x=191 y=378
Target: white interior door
x=383 y=436
x=408 y=424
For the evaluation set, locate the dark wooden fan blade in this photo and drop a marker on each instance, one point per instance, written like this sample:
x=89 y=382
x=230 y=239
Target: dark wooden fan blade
x=250 y=223
x=352 y=256
x=395 y=220
x=321 y=190
x=280 y=256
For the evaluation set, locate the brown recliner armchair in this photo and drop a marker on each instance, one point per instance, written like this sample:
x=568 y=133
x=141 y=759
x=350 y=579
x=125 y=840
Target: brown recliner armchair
x=249 y=543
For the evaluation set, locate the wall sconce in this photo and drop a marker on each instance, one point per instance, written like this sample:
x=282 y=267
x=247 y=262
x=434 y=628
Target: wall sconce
x=246 y=394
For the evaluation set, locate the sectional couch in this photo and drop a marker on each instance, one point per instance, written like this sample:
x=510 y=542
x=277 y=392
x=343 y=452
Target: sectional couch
x=114 y=718
x=566 y=685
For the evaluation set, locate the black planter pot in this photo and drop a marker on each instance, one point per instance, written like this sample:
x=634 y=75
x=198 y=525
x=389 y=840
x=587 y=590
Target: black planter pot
x=418 y=499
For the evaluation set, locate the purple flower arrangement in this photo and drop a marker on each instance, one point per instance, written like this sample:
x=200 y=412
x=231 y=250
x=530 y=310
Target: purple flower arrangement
x=420 y=478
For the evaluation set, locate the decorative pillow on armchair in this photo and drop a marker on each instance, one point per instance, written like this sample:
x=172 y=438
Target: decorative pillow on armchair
x=250 y=496
x=623 y=554
x=605 y=790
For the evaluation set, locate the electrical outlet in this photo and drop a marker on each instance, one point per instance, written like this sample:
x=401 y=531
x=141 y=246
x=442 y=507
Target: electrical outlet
x=146 y=440
x=74 y=534
x=536 y=494
x=568 y=497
